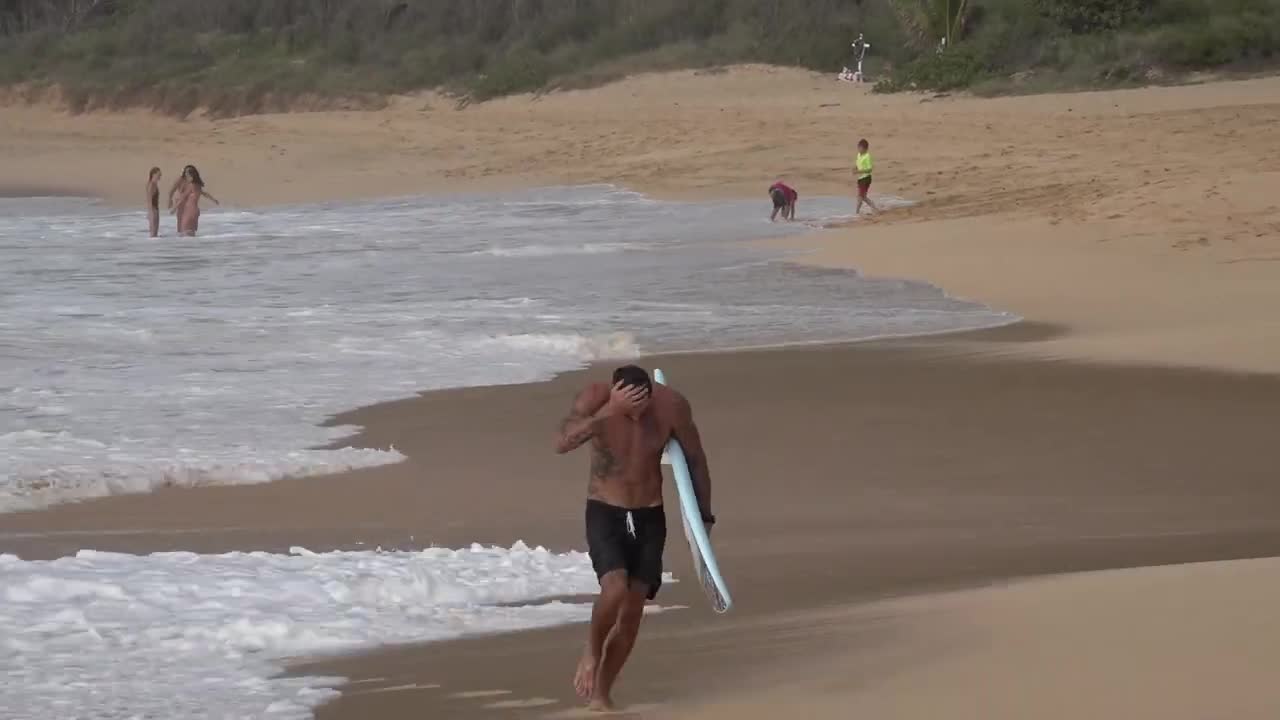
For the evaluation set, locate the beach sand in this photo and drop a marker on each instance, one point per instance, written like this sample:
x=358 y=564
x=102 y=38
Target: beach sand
x=1130 y=422
x=843 y=475
x=1180 y=642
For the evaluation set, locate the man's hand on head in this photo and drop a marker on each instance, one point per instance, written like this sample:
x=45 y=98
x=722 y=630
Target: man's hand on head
x=627 y=399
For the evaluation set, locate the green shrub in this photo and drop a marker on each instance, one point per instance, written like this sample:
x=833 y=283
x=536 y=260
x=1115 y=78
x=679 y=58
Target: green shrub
x=1086 y=16
x=957 y=68
x=1223 y=40
x=256 y=54
x=519 y=71
x=226 y=49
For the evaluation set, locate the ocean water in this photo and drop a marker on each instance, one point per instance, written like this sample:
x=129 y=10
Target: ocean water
x=130 y=363
x=179 y=635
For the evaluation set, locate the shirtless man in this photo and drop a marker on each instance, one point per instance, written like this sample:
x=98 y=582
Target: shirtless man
x=628 y=426
x=153 y=201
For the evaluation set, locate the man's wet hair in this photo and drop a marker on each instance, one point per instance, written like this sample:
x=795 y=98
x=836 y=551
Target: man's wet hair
x=633 y=376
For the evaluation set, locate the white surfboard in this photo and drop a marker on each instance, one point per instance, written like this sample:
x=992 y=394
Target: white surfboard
x=704 y=560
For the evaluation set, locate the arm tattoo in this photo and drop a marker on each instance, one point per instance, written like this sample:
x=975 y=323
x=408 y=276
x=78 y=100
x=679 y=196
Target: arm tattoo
x=583 y=421
x=574 y=431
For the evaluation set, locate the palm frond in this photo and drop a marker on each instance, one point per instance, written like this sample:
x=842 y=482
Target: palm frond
x=914 y=19
x=925 y=22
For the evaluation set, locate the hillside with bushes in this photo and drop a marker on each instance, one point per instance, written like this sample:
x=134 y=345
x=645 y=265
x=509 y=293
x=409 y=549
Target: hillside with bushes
x=246 y=56
x=1007 y=45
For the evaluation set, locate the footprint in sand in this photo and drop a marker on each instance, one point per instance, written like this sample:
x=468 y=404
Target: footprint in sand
x=396 y=688
x=532 y=702
x=636 y=712
x=467 y=694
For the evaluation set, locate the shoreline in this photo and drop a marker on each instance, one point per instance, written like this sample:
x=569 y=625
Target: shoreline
x=777 y=256
x=1183 y=478
x=26 y=520
x=457 y=671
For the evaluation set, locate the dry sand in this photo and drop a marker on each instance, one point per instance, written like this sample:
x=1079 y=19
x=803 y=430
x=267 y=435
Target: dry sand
x=1181 y=642
x=1136 y=229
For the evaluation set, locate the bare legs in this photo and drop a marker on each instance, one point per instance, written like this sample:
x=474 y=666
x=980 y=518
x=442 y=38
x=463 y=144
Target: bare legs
x=864 y=199
x=618 y=646
x=188 y=221
x=613 y=591
x=615 y=623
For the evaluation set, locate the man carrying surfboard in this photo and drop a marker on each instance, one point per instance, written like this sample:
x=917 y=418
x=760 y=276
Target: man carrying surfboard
x=627 y=424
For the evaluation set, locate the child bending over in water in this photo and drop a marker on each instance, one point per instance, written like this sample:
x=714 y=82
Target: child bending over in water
x=784 y=198
x=188 y=204
x=153 y=201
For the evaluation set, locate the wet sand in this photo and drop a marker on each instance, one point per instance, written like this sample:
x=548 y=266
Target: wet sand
x=843 y=475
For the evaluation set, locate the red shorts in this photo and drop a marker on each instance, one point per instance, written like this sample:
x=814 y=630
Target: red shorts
x=864 y=184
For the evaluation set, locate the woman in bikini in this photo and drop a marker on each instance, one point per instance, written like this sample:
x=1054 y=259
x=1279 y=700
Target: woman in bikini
x=153 y=201
x=179 y=185
x=188 y=205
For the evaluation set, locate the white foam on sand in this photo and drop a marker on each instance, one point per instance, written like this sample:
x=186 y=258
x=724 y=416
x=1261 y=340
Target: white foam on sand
x=181 y=635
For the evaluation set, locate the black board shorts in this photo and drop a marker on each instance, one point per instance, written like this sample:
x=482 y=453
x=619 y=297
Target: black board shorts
x=627 y=539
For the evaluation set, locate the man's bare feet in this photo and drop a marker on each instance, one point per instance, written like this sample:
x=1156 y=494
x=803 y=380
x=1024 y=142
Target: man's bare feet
x=585 y=679
x=600 y=704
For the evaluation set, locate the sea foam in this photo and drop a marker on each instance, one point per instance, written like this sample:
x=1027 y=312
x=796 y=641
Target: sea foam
x=133 y=363
x=181 y=635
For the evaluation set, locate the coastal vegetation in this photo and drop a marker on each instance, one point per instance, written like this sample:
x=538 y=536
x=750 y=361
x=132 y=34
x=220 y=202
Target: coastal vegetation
x=246 y=56
x=1007 y=45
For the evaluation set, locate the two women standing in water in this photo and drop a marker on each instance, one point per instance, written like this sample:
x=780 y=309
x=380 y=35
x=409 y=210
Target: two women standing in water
x=188 y=189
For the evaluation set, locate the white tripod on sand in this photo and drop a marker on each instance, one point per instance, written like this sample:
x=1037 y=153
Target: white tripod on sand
x=860 y=48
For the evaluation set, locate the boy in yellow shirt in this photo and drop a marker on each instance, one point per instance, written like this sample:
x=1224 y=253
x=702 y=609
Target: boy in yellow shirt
x=863 y=172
